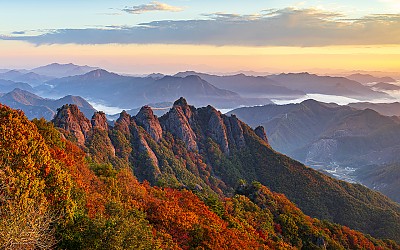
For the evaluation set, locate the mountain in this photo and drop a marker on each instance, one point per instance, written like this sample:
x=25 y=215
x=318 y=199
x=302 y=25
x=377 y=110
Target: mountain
x=10 y=75
x=248 y=86
x=100 y=84
x=76 y=203
x=31 y=78
x=385 y=86
x=328 y=136
x=56 y=70
x=213 y=154
x=36 y=107
x=198 y=91
x=367 y=78
x=383 y=178
x=389 y=109
x=127 y=91
x=7 y=86
x=314 y=84
x=156 y=75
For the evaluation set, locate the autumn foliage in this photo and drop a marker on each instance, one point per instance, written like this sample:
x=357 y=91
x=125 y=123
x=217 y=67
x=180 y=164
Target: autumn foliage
x=79 y=203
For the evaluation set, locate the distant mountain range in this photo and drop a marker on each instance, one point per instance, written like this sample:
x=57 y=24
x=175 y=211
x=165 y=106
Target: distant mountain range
x=40 y=75
x=7 y=86
x=248 y=86
x=128 y=91
x=36 y=107
x=31 y=78
x=323 y=135
x=385 y=86
x=56 y=70
x=388 y=109
x=367 y=78
x=314 y=84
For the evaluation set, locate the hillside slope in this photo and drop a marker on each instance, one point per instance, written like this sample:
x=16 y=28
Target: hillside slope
x=201 y=149
x=75 y=203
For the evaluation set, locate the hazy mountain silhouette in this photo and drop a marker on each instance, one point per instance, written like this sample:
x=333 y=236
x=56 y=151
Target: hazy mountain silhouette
x=128 y=91
x=248 y=86
x=314 y=84
x=57 y=70
x=31 y=78
x=367 y=78
x=385 y=86
x=7 y=86
x=388 y=109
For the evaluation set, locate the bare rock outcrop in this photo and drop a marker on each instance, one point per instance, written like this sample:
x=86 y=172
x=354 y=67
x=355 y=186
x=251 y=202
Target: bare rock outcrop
x=178 y=121
x=99 y=121
x=235 y=131
x=217 y=129
x=260 y=132
x=149 y=122
x=143 y=146
x=71 y=119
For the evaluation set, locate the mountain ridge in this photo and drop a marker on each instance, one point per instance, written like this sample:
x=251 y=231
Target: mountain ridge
x=138 y=91
x=204 y=150
x=35 y=106
x=101 y=206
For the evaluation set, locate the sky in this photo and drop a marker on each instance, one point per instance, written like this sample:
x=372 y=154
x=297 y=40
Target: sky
x=140 y=37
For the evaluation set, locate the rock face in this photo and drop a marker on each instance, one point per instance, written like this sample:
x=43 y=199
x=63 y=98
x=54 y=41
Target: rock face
x=178 y=121
x=260 y=132
x=217 y=129
x=143 y=146
x=134 y=134
x=123 y=122
x=193 y=125
x=149 y=122
x=69 y=118
x=235 y=131
x=99 y=121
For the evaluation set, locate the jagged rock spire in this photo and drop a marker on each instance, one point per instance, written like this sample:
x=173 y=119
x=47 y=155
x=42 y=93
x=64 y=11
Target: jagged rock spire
x=260 y=132
x=71 y=119
x=149 y=122
x=99 y=121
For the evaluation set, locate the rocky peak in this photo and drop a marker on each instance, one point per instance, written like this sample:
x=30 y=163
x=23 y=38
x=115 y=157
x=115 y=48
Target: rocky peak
x=182 y=104
x=99 y=121
x=149 y=122
x=178 y=121
x=260 y=132
x=123 y=122
x=71 y=119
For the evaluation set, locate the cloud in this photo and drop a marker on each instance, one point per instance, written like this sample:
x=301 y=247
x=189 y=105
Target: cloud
x=283 y=27
x=18 y=33
x=152 y=6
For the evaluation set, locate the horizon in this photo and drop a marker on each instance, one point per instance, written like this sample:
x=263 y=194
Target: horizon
x=143 y=37
x=320 y=72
